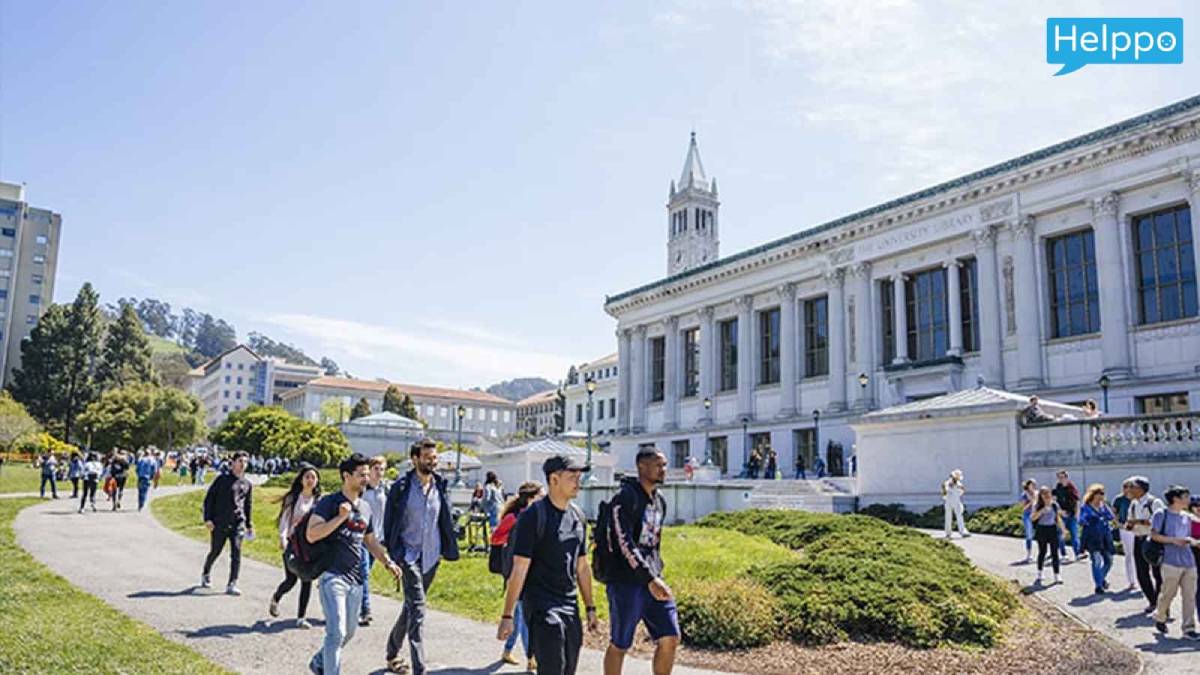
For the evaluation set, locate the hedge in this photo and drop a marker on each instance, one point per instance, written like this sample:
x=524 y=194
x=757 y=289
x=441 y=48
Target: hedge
x=1004 y=521
x=737 y=613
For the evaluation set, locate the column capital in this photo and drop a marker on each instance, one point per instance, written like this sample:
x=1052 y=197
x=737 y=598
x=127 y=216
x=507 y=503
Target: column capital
x=952 y=264
x=861 y=270
x=1022 y=228
x=1193 y=181
x=899 y=277
x=744 y=302
x=671 y=323
x=786 y=291
x=834 y=276
x=640 y=331
x=706 y=313
x=625 y=333
x=1106 y=204
x=985 y=237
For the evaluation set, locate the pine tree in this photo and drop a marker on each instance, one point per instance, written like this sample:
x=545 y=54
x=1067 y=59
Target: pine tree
x=81 y=346
x=361 y=409
x=409 y=409
x=393 y=400
x=126 y=358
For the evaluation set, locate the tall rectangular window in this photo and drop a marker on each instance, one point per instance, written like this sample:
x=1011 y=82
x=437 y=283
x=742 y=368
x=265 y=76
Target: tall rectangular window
x=887 y=320
x=578 y=412
x=968 y=301
x=1074 y=295
x=658 y=362
x=729 y=356
x=679 y=453
x=925 y=308
x=768 y=346
x=804 y=443
x=1166 y=265
x=600 y=409
x=691 y=361
x=816 y=337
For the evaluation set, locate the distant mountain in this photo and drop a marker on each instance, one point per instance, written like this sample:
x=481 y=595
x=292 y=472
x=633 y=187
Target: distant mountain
x=522 y=387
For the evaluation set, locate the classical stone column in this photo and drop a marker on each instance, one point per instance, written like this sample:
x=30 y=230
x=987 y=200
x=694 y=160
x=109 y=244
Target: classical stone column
x=1193 y=184
x=637 y=383
x=1114 y=321
x=745 y=307
x=624 y=378
x=864 y=343
x=787 y=349
x=954 y=305
x=899 y=319
x=708 y=362
x=671 y=374
x=991 y=359
x=1029 y=327
x=837 y=340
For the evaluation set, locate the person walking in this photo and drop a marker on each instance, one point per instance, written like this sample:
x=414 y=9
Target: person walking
x=1142 y=508
x=1097 y=519
x=1029 y=493
x=527 y=494
x=375 y=495
x=800 y=475
x=118 y=469
x=772 y=465
x=75 y=473
x=146 y=469
x=1172 y=528
x=419 y=532
x=92 y=469
x=1067 y=496
x=1121 y=507
x=343 y=521
x=1048 y=522
x=952 y=494
x=227 y=507
x=493 y=499
x=636 y=590
x=295 y=503
x=1194 y=509
x=550 y=571
x=49 y=466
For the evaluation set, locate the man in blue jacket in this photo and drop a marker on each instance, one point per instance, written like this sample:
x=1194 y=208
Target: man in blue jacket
x=636 y=590
x=419 y=531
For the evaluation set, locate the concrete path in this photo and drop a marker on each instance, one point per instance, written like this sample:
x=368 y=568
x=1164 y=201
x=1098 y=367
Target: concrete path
x=1117 y=614
x=132 y=562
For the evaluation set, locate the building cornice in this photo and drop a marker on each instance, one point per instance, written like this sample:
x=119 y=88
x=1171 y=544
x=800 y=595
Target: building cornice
x=1171 y=125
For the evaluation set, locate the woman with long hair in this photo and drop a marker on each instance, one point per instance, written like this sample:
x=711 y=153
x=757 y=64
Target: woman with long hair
x=527 y=494
x=1096 y=520
x=1029 y=494
x=295 y=503
x=493 y=499
x=1047 y=523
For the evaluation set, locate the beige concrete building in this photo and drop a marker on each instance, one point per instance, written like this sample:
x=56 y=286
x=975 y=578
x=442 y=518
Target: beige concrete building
x=28 y=261
x=605 y=373
x=241 y=377
x=535 y=414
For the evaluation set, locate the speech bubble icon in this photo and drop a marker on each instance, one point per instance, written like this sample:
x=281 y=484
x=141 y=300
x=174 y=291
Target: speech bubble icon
x=1069 y=68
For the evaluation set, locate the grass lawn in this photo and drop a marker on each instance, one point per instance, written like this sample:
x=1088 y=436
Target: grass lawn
x=692 y=556
x=49 y=626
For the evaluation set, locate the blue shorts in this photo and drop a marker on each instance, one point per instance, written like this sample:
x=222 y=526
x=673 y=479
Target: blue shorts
x=630 y=603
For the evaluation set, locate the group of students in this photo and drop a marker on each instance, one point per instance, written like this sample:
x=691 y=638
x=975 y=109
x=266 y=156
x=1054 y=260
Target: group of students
x=88 y=473
x=1160 y=539
x=409 y=528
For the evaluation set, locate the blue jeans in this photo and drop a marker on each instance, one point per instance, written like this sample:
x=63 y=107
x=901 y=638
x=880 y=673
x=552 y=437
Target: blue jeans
x=1027 y=521
x=1102 y=562
x=49 y=478
x=1072 y=525
x=340 y=600
x=519 y=629
x=365 y=568
x=143 y=490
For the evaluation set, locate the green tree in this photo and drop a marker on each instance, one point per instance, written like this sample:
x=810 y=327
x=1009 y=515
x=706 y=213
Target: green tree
x=248 y=429
x=118 y=419
x=15 y=423
x=171 y=369
x=334 y=411
x=213 y=336
x=321 y=445
x=126 y=358
x=409 y=409
x=177 y=419
x=361 y=409
x=393 y=400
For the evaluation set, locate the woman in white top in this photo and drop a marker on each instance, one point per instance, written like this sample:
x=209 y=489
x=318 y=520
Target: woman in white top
x=92 y=470
x=952 y=494
x=299 y=499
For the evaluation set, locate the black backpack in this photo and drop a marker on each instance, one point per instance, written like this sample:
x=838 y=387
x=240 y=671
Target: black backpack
x=303 y=558
x=500 y=558
x=602 y=545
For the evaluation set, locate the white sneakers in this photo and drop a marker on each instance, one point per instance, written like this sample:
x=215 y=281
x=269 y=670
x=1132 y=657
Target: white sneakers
x=1058 y=578
x=232 y=589
x=205 y=581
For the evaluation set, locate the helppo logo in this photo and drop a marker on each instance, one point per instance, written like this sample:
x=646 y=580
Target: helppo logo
x=1077 y=42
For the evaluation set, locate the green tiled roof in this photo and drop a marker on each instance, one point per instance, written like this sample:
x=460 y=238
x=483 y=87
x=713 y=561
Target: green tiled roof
x=1008 y=165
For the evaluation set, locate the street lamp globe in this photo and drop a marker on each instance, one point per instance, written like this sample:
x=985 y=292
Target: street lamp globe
x=863 y=380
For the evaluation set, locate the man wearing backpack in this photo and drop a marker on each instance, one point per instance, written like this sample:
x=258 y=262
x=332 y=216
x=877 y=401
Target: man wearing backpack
x=549 y=565
x=419 y=528
x=343 y=521
x=636 y=590
x=1142 y=508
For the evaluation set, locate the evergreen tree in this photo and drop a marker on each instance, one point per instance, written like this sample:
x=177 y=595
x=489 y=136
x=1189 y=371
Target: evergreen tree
x=361 y=409
x=409 y=409
x=393 y=400
x=126 y=357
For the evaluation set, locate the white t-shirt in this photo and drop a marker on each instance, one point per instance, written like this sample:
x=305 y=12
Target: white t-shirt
x=954 y=492
x=1144 y=509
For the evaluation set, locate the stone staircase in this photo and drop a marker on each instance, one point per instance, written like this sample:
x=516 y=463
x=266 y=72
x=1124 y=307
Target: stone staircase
x=827 y=495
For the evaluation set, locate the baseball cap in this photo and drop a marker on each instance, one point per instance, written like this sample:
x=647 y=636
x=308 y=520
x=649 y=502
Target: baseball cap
x=563 y=463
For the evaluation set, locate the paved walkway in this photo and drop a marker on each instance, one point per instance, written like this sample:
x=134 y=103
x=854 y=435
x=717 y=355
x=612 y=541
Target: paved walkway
x=1117 y=614
x=132 y=562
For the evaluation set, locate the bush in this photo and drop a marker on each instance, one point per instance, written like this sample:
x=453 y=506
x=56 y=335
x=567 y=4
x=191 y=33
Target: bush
x=860 y=578
x=1001 y=520
x=736 y=614
x=330 y=481
x=895 y=514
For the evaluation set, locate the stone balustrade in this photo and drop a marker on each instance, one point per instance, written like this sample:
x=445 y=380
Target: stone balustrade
x=1145 y=434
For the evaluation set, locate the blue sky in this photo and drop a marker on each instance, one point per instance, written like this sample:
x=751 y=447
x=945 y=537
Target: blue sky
x=443 y=193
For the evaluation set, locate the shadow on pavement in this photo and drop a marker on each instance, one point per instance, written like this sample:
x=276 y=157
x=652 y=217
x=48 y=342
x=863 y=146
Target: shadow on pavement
x=260 y=627
x=164 y=594
x=1169 y=644
x=489 y=668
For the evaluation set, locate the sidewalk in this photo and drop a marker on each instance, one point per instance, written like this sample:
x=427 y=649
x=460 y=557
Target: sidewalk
x=143 y=569
x=1117 y=614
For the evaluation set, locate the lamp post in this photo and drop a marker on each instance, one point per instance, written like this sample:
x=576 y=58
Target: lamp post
x=863 y=381
x=458 y=481
x=817 y=437
x=707 y=442
x=590 y=384
x=1104 y=388
x=745 y=448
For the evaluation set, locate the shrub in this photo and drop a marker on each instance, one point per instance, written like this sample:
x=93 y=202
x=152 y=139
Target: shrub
x=329 y=480
x=1001 y=520
x=736 y=614
x=860 y=578
x=895 y=514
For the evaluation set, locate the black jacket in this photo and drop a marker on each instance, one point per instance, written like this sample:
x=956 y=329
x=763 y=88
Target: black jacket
x=227 y=502
x=396 y=511
x=636 y=561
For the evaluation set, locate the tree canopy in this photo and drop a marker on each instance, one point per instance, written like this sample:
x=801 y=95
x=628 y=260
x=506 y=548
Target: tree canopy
x=361 y=409
x=139 y=415
x=272 y=431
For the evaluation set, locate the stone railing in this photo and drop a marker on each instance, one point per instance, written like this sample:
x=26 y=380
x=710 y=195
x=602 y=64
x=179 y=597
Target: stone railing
x=1145 y=433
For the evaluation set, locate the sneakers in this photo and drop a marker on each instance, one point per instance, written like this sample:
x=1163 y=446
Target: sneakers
x=532 y=665
x=1040 y=577
x=1027 y=560
x=1058 y=578
x=205 y=581
x=273 y=608
x=1191 y=635
x=232 y=589
x=1150 y=610
x=364 y=620
x=303 y=624
x=508 y=658
x=1160 y=627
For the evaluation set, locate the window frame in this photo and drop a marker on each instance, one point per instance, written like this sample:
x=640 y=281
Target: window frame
x=769 y=349
x=1090 y=300
x=816 y=336
x=728 y=332
x=1184 y=288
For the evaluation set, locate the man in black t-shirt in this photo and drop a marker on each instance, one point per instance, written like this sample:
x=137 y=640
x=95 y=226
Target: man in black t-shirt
x=549 y=563
x=227 y=517
x=343 y=519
